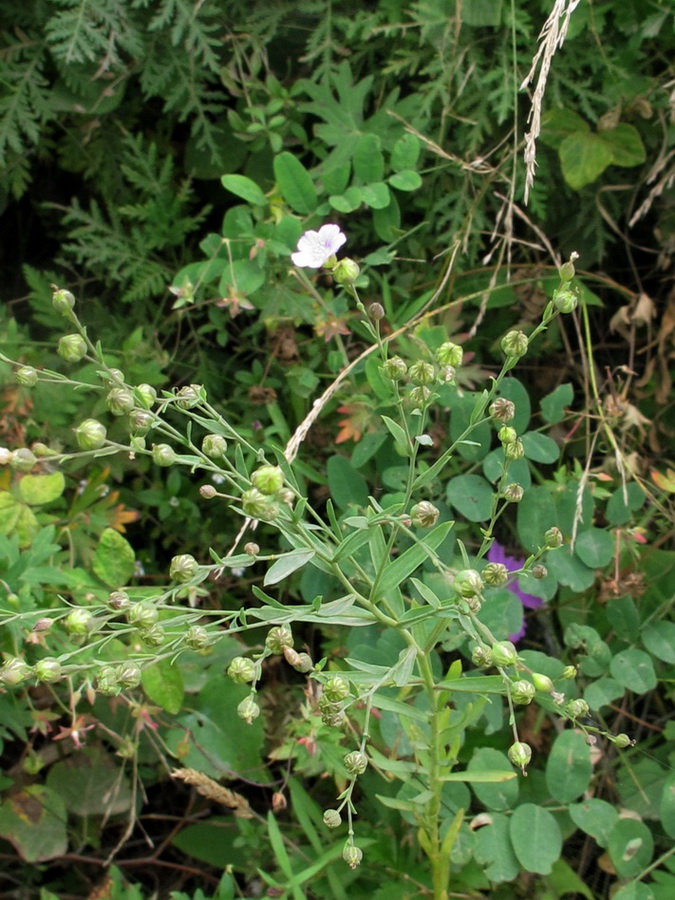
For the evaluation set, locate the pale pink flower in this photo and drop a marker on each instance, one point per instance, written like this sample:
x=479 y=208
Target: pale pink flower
x=315 y=248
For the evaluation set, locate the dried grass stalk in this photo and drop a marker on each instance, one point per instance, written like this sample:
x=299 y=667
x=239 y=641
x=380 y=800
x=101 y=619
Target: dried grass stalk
x=209 y=788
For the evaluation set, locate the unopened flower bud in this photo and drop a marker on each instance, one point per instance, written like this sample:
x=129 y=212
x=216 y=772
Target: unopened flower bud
x=304 y=663
x=520 y=754
x=189 y=396
x=522 y=692
x=214 y=445
x=128 y=675
x=146 y=395
x=14 y=671
x=48 y=670
x=447 y=374
x=336 y=689
x=450 y=354
x=248 y=710
x=346 y=271
x=504 y=653
x=90 y=434
x=481 y=657
x=120 y=401
x=565 y=300
x=422 y=373
x=553 y=538
x=254 y=503
x=26 y=376
x=424 y=514
x=279 y=638
x=376 y=312
x=577 y=709
x=333 y=718
x=251 y=548
x=268 y=479
x=567 y=271
x=495 y=574
x=207 y=491
x=242 y=670
x=63 y=302
x=106 y=682
x=78 y=621
x=197 y=637
x=352 y=855
x=291 y=656
x=468 y=583
x=514 y=344
x=507 y=434
x=23 y=459
x=514 y=450
x=395 y=368
x=513 y=492
x=539 y=571
x=183 y=568
x=113 y=377
x=163 y=455
x=356 y=762
x=542 y=682
x=72 y=348
x=502 y=410
x=140 y=421
x=419 y=396
x=142 y=615
x=153 y=636
x=43 y=624
x=569 y=672
x=119 y=600
x=5 y=456
x=332 y=818
x=622 y=741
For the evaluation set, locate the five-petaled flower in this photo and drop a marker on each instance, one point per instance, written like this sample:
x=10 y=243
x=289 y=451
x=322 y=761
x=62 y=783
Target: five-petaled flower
x=316 y=248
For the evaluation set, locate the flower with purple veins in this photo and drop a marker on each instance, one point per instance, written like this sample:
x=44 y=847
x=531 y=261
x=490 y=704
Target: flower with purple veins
x=315 y=248
x=497 y=554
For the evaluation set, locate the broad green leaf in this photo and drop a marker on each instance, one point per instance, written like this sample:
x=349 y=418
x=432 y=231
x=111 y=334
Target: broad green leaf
x=553 y=405
x=405 y=153
x=286 y=565
x=568 y=767
x=472 y=496
x=634 y=670
x=387 y=221
x=243 y=275
x=113 y=559
x=39 y=489
x=564 y=880
x=595 y=547
x=211 y=842
x=618 y=511
x=368 y=160
x=667 y=808
x=367 y=447
x=636 y=890
x=641 y=786
x=626 y=145
x=536 y=838
x=659 y=639
x=502 y=612
x=91 y=783
x=348 y=201
x=376 y=195
x=245 y=188
x=34 y=821
x=347 y=486
x=514 y=390
x=336 y=180
x=163 y=684
x=595 y=817
x=602 y=692
x=462 y=410
x=540 y=447
x=567 y=507
x=536 y=514
x=584 y=156
x=407 y=180
x=498 y=796
x=557 y=124
x=518 y=469
x=624 y=618
x=295 y=183
x=568 y=569
x=494 y=850
x=630 y=847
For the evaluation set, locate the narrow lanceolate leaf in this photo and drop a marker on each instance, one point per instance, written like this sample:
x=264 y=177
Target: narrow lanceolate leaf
x=397 y=571
x=286 y=565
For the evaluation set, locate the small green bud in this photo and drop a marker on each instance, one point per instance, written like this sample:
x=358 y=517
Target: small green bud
x=553 y=538
x=507 y=434
x=539 y=572
x=72 y=348
x=14 y=671
x=495 y=574
x=63 y=302
x=128 y=675
x=332 y=818
x=569 y=672
x=577 y=709
x=140 y=421
x=422 y=373
x=514 y=450
x=214 y=445
x=333 y=718
x=376 y=312
x=248 y=710
x=255 y=504
x=481 y=657
x=567 y=271
x=336 y=689
x=474 y=603
x=189 y=396
x=278 y=639
x=504 y=653
x=395 y=368
x=565 y=301
x=48 y=669
x=120 y=401
x=251 y=548
x=513 y=493
x=419 y=396
x=346 y=271
x=119 y=600
x=352 y=855
x=291 y=656
x=424 y=514
x=153 y=636
x=450 y=354
x=26 y=376
x=542 y=683
x=146 y=395
x=106 y=682
x=42 y=450
x=113 y=377
x=447 y=374
x=514 y=344
x=163 y=455
x=304 y=663
x=242 y=670
x=522 y=692
x=468 y=583
x=356 y=762
x=183 y=568
x=207 y=491
x=622 y=741
x=142 y=615
x=90 y=435
x=23 y=459
x=268 y=479
x=197 y=637
x=78 y=621
x=502 y=410
x=520 y=754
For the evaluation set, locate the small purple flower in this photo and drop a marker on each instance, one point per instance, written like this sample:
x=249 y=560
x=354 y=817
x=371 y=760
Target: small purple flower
x=315 y=248
x=497 y=554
